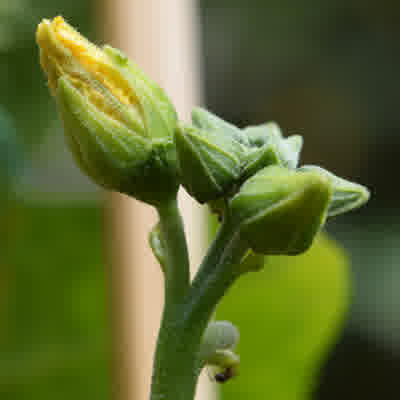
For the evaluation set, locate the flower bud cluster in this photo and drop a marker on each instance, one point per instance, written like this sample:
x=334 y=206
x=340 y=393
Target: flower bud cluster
x=252 y=175
x=124 y=134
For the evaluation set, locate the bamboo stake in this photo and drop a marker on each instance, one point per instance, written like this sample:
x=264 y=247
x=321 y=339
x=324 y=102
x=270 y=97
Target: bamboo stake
x=161 y=36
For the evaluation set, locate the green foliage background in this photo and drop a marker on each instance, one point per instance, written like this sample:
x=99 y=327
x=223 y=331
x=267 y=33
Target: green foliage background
x=54 y=337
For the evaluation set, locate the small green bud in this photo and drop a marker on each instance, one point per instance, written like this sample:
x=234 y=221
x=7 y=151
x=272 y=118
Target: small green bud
x=219 y=339
x=210 y=156
x=215 y=157
x=279 y=211
x=118 y=124
x=346 y=195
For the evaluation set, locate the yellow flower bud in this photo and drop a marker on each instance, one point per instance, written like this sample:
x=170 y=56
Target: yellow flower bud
x=119 y=125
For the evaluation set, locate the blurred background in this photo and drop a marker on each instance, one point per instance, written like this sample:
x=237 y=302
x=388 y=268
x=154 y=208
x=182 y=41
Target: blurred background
x=323 y=326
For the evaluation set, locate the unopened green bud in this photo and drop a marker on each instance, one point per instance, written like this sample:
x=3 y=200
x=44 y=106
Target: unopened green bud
x=215 y=157
x=118 y=124
x=269 y=147
x=210 y=156
x=218 y=343
x=279 y=210
x=346 y=195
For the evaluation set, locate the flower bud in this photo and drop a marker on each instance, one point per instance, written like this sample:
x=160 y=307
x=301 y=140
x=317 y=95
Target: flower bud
x=215 y=157
x=346 y=195
x=267 y=139
x=219 y=340
x=210 y=156
x=279 y=211
x=220 y=335
x=118 y=124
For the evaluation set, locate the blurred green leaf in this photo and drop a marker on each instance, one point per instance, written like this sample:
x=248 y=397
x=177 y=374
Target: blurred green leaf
x=289 y=316
x=8 y=149
x=54 y=340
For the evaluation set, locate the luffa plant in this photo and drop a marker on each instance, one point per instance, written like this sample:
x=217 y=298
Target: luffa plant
x=124 y=134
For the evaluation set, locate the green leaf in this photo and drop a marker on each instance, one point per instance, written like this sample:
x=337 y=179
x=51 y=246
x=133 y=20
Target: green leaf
x=289 y=316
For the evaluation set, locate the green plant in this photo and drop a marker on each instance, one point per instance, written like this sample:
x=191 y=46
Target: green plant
x=125 y=134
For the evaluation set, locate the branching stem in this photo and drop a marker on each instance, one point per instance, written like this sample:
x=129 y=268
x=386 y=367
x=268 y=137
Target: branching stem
x=177 y=362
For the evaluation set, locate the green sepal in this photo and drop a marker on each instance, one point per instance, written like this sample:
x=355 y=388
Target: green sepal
x=113 y=155
x=290 y=149
x=157 y=181
x=158 y=113
x=205 y=120
x=346 y=195
x=264 y=134
x=279 y=210
x=260 y=158
x=268 y=147
x=209 y=162
x=224 y=359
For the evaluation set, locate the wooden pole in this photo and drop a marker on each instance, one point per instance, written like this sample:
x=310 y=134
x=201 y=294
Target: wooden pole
x=161 y=37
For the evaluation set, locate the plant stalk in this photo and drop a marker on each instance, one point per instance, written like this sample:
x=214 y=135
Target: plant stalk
x=177 y=269
x=177 y=363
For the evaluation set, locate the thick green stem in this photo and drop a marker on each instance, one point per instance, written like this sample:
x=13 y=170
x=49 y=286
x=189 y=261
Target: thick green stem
x=177 y=364
x=177 y=281
x=177 y=270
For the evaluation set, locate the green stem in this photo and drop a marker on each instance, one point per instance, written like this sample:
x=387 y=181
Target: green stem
x=222 y=240
x=171 y=354
x=177 y=364
x=216 y=275
x=177 y=270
